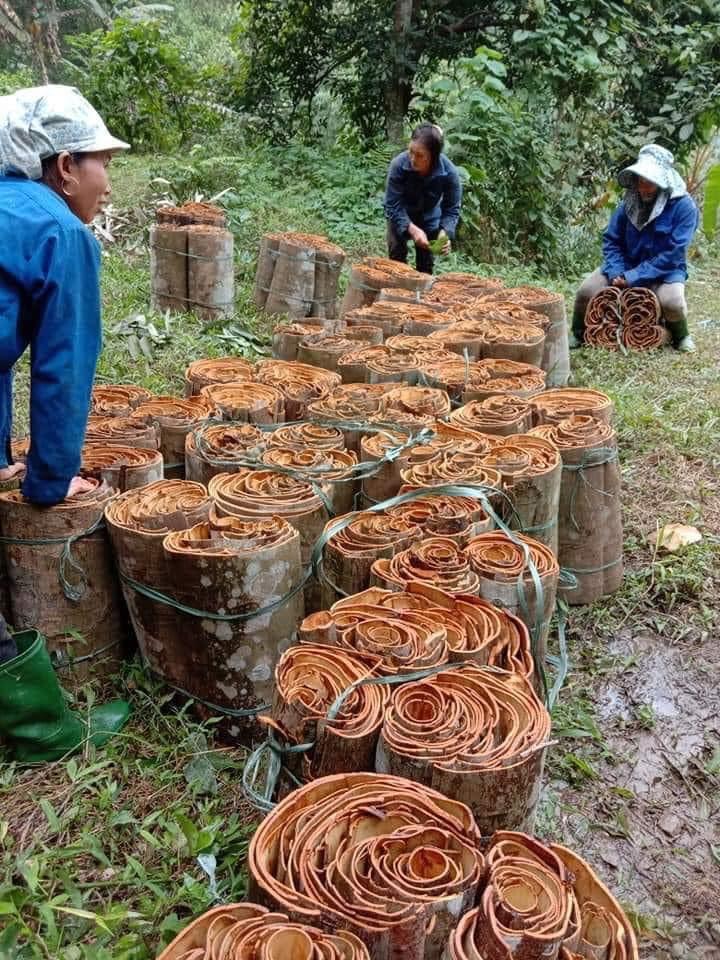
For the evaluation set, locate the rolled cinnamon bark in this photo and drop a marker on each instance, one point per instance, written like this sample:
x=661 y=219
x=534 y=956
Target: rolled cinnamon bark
x=204 y=373
x=246 y=931
x=476 y=735
x=390 y=860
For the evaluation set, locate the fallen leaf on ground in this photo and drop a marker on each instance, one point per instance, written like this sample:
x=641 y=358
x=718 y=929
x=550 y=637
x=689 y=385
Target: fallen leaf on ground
x=674 y=536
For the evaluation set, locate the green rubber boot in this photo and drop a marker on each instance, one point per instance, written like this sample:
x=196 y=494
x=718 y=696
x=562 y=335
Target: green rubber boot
x=34 y=716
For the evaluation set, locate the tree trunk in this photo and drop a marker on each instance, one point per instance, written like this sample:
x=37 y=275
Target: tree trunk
x=398 y=90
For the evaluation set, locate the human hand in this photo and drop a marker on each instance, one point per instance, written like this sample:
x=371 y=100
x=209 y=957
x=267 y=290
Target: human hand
x=447 y=246
x=619 y=282
x=419 y=237
x=79 y=485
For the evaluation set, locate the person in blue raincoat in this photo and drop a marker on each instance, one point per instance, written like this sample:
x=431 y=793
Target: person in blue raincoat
x=646 y=243
x=54 y=154
x=423 y=196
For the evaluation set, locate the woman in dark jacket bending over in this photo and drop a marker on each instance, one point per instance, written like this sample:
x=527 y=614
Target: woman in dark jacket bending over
x=422 y=198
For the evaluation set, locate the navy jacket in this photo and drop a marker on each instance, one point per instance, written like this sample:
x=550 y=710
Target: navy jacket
x=50 y=302
x=655 y=254
x=432 y=202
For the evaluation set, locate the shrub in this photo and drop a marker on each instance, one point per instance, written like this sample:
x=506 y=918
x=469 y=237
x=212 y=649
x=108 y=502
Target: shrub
x=143 y=85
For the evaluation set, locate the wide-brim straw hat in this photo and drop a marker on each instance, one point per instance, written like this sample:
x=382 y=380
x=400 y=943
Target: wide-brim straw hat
x=654 y=163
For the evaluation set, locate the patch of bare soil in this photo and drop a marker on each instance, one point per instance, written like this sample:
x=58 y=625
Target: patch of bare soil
x=650 y=821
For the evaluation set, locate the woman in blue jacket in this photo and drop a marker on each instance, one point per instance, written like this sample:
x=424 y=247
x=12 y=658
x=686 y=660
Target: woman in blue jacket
x=646 y=243
x=423 y=195
x=54 y=154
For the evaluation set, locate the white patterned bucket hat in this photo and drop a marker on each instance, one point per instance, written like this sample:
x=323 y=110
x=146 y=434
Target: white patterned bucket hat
x=655 y=163
x=38 y=122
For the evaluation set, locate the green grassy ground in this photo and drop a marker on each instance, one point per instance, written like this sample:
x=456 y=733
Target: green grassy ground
x=105 y=855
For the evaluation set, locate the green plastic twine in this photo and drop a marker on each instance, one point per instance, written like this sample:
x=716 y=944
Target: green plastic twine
x=152 y=594
x=268 y=755
x=66 y=561
x=477 y=492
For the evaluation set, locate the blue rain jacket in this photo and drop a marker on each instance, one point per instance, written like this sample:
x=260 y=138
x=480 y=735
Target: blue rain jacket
x=49 y=302
x=431 y=202
x=655 y=254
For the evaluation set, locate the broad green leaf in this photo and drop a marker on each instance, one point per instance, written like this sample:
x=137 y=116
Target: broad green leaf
x=85 y=915
x=711 y=204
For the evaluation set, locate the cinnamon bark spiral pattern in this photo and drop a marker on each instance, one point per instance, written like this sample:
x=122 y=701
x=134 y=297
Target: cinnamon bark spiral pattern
x=286 y=339
x=386 y=363
x=451 y=468
x=437 y=561
x=509 y=309
x=642 y=327
x=121 y=467
x=417 y=401
x=398 y=640
x=503 y=567
x=118 y=400
x=603 y=319
x=299 y=383
x=461 y=518
x=532 y=298
x=504 y=377
x=454 y=376
x=541 y=901
x=303 y=436
x=525 y=908
x=137 y=523
x=349 y=403
x=474 y=734
x=600 y=923
x=246 y=402
x=258 y=494
x=500 y=415
x=174 y=417
x=308 y=680
x=160 y=507
x=123 y=430
x=435 y=439
x=556 y=405
x=423 y=626
x=351 y=551
x=457 y=288
x=221 y=448
x=494 y=336
x=323 y=350
x=388 y=317
x=204 y=373
x=334 y=468
x=388 y=859
x=421 y=319
x=246 y=931
x=556 y=360
x=629 y=318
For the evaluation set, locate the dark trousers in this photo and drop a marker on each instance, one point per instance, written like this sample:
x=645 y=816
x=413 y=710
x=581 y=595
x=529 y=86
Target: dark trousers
x=8 y=648
x=398 y=249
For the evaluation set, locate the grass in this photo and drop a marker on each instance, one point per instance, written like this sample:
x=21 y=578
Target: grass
x=105 y=855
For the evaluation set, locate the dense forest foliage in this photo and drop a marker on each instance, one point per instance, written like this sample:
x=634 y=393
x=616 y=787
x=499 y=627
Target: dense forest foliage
x=541 y=100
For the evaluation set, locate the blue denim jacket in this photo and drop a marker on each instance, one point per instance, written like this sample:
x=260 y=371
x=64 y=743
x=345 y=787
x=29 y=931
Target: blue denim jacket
x=50 y=302
x=655 y=254
x=431 y=202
